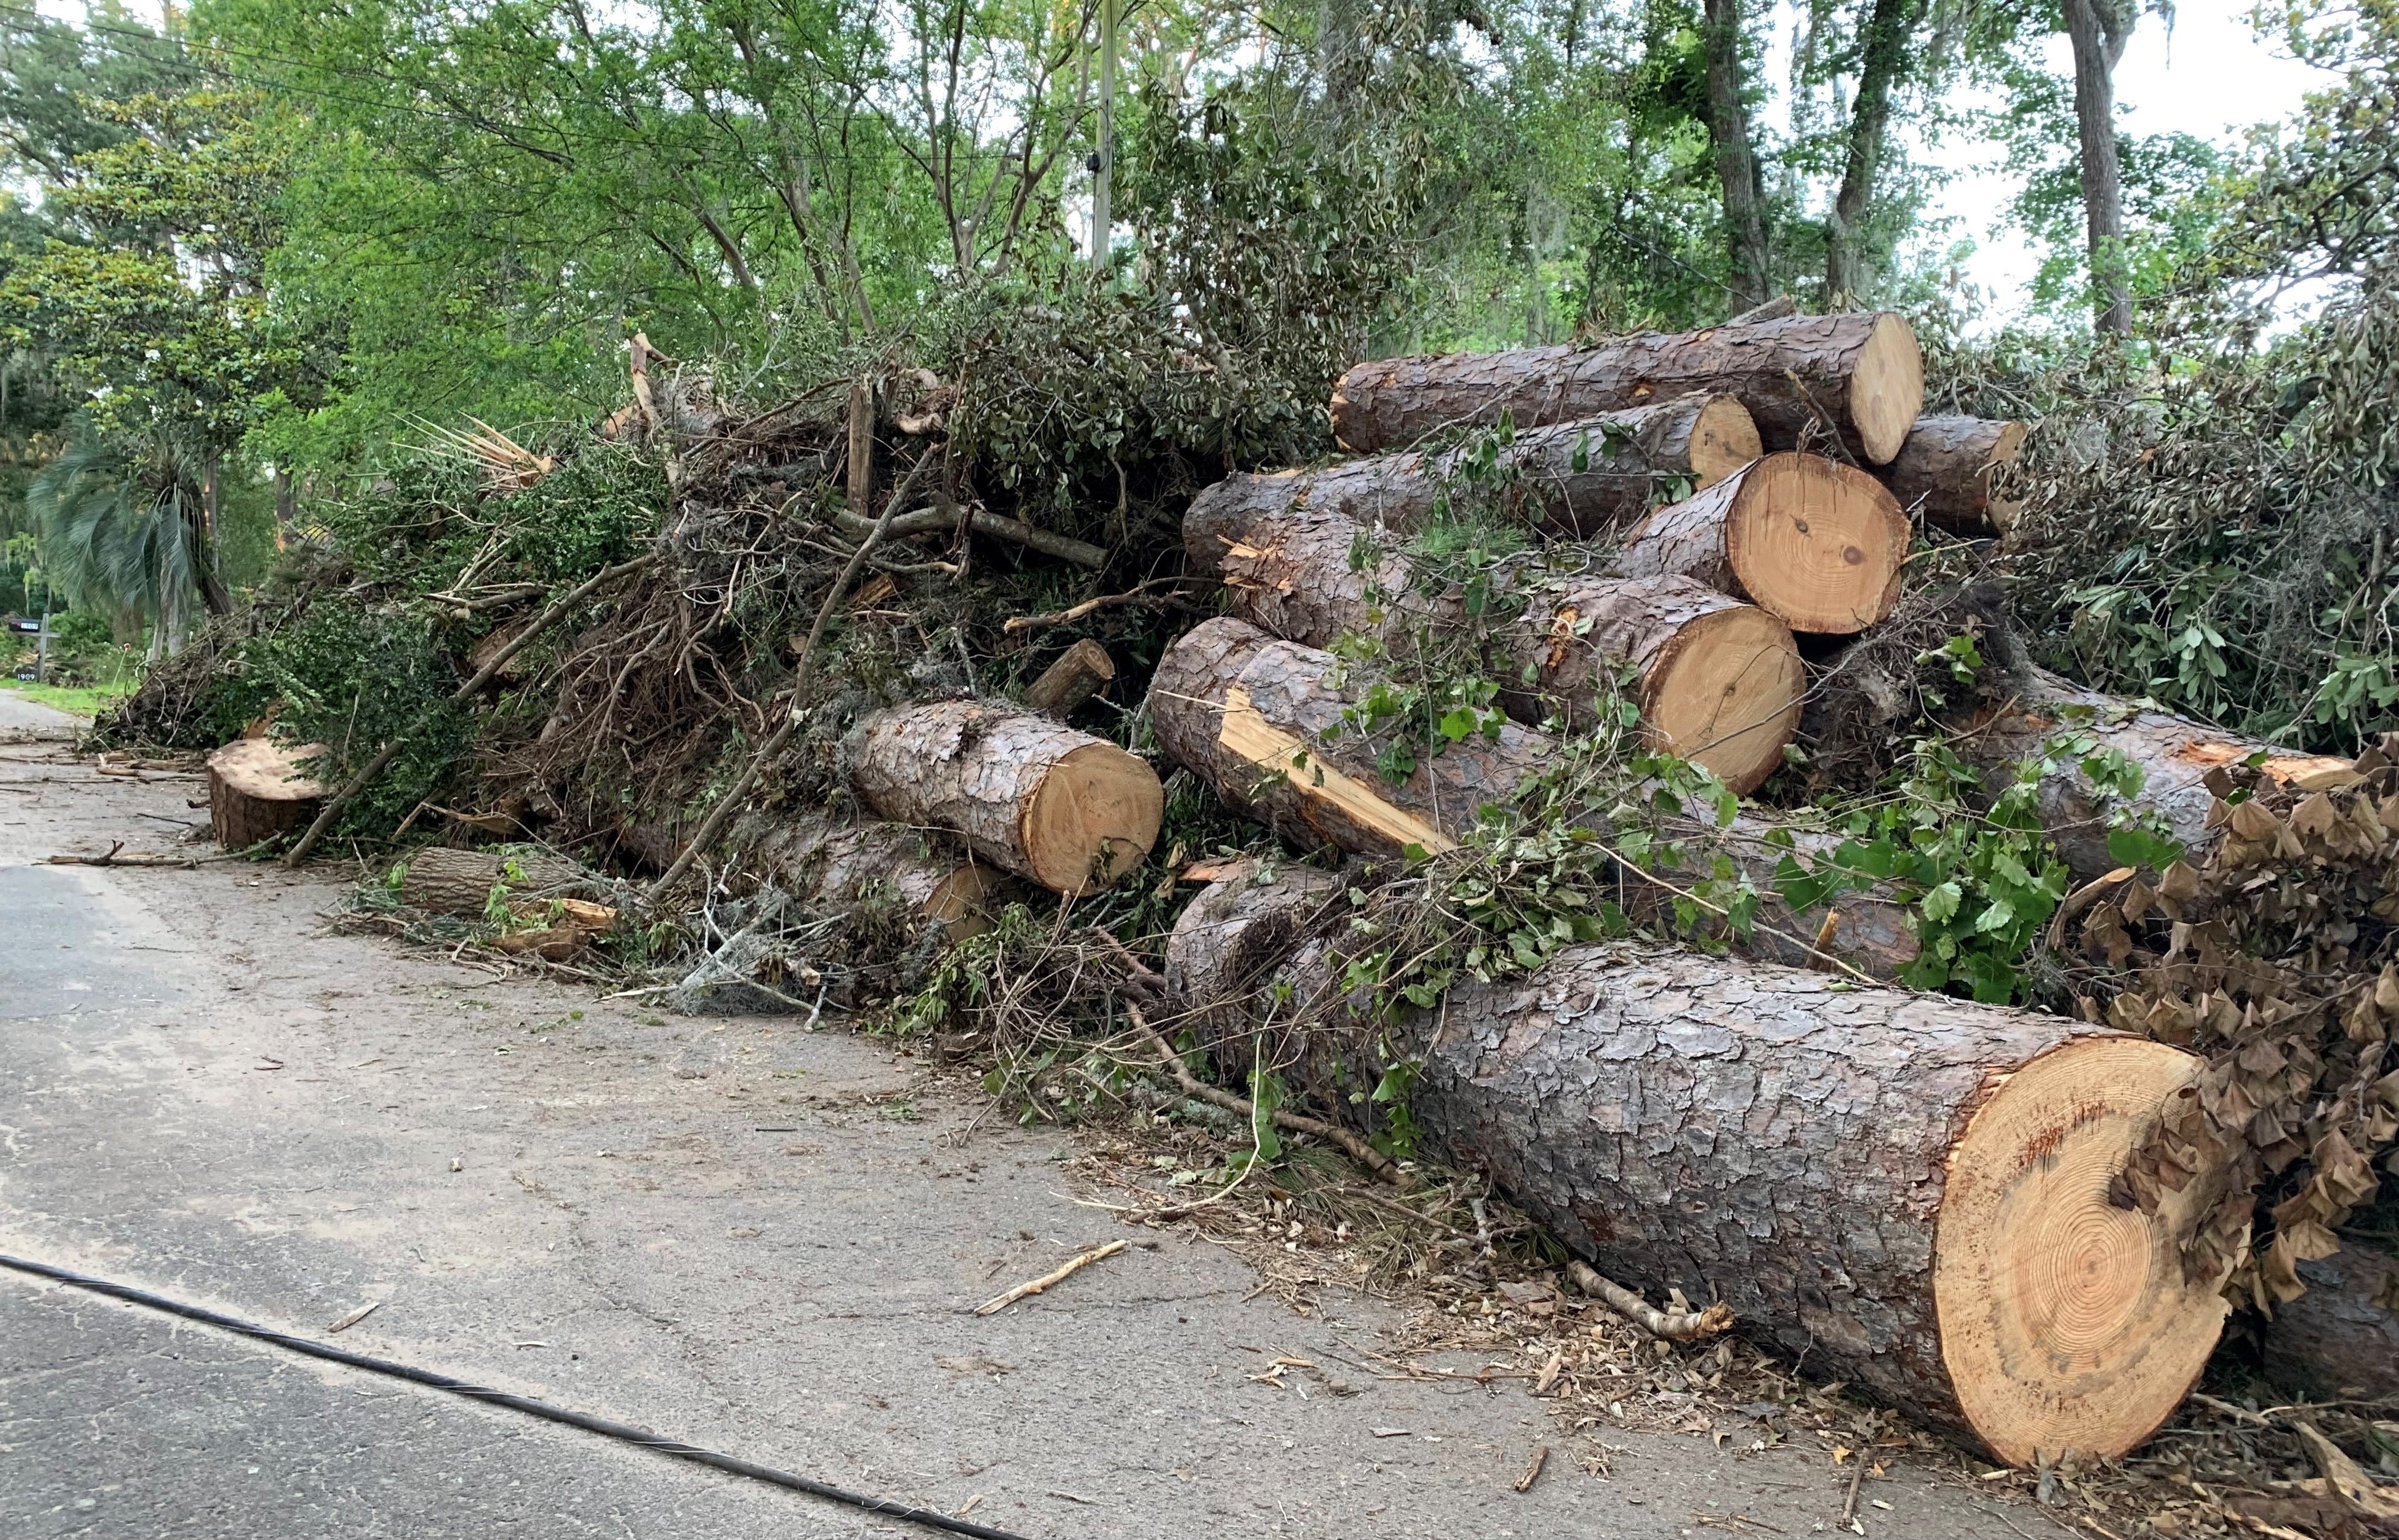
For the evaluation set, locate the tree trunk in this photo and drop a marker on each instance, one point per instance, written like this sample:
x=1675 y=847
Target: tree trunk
x=1629 y=459
x=1946 y=469
x=828 y=863
x=1909 y=1190
x=2049 y=717
x=1818 y=544
x=1860 y=376
x=2339 y=1341
x=1070 y=811
x=257 y=791
x=2097 y=29
x=1247 y=715
x=1889 y=27
x=1231 y=940
x=460 y=882
x=1720 y=681
x=1736 y=160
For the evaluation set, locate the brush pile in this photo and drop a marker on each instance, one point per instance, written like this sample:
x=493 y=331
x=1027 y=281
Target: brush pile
x=1619 y=777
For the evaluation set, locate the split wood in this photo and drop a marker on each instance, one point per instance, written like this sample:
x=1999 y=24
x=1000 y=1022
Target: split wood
x=1065 y=1270
x=465 y=692
x=803 y=670
x=1674 y=1326
x=1357 y=1148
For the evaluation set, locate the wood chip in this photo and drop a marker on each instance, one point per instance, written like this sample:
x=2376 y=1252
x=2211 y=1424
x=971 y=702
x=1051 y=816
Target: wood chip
x=1391 y=1433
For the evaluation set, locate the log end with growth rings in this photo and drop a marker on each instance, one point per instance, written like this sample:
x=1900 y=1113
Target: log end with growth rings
x=1887 y=387
x=2066 y=1321
x=1818 y=543
x=1724 y=693
x=1093 y=819
x=1724 y=438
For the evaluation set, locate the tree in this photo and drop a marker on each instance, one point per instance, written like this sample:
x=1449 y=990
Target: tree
x=2098 y=31
x=1883 y=52
x=1737 y=169
x=124 y=531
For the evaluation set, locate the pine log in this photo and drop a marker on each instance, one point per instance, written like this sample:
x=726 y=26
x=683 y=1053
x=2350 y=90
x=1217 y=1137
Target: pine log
x=1077 y=675
x=1231 y=938
x=1070 y=811
x=441 y=881
x=1248 y=714
x=1629 y=458
x=2339 y=1341
x=1946 y=469
x=2054 y=719
x=827 y=862
x=1908 y=1190
x=1860 y=375
x=1817 y=544
x=257 y=791
x=1720 y=681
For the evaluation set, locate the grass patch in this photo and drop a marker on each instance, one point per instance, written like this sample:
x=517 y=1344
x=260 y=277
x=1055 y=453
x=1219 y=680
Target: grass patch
x=75 y=702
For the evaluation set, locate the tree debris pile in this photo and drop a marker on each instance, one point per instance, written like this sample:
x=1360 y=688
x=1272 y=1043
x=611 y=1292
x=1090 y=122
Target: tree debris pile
x=1669 y=771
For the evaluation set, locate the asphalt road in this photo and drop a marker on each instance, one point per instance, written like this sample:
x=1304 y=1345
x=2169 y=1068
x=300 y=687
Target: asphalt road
x=737 y=1232
x=23 y=720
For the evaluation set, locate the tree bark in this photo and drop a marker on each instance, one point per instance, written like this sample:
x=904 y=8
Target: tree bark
x=1230 y=941
x=1070 y=811
x=2061 y=722
x=1247 y=715
x=1860 y=376
x=1720 y=681
x=2097 y=29
x=827 y=862
x=1737 y=175
x=1882 y=61
x=257 y=791
x=2339 y=1341
x=1629 y=458
x=1909 y=1190
x=442 y=881
x=1946 y=469
x=1077 y=675
x=1818 y=544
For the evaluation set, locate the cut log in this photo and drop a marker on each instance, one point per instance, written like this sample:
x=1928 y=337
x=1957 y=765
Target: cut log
x=1247 y=714
x=1908 y=1190
x=256 y=791
x=1070 y=811
x=1946 y=467
x=1862 y=376
x=2339 y=1341
x=1628 y=460
x=1074 y=678
x=1720 y=681
x=1817 y=544
x=441 y=881
x=829 y=863
x=1231 y=938
x=2051 y=718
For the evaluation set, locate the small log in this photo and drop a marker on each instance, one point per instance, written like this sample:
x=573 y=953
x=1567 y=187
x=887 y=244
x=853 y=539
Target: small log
x=859 y=476
x=2044 y=716
x=1946 y=469
x=1070 y=811
x=1911 y=1191
x=1860 y=376
x=828 y=863
x=1247 y=714
x=1628 y=460
x=1818 y=544
x=2339 y=1341
x=441 y=881
x=1074 y=678
x=1720 y=681
x=1231 y=940
x=257 y=791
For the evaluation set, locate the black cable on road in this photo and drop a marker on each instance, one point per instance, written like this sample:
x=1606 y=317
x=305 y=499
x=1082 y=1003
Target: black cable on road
x=621 y=1431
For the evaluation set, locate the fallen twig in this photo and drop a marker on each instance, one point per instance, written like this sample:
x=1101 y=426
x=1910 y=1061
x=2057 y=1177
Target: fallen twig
x=1674 y=1326
x=136 y=858
x=1065 y=1270
x=1137 y=594
x=1533 y=1470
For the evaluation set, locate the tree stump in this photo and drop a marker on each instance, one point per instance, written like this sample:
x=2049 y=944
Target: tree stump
x=256 y=791
x=1816 y=543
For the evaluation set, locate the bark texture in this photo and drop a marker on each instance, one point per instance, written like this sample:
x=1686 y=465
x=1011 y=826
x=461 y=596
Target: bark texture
x=2339 y=1341
x=256 y=791
x=1766 y=1138
x=1246 y=713
x=1859 y=375
x=441 y=881
x=1078 y=674
x=1819 y=545
x=1230 y=941
x=1945 y=468
x=1742 y=188
x=2048 y=716
x=1699 y=437
x=1068 y=810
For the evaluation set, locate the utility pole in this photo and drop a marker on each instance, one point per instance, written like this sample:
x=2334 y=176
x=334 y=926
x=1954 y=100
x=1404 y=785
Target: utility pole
x=1104 y=162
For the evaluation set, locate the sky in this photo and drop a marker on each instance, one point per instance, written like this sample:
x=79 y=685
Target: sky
x=2209 y=77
